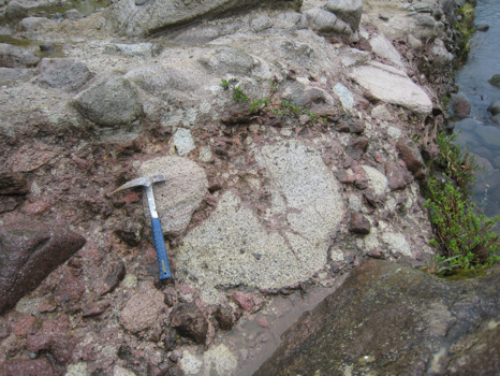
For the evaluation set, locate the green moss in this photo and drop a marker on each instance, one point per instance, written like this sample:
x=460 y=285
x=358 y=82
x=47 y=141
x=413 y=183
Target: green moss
x=466 y=274
x=466 y=29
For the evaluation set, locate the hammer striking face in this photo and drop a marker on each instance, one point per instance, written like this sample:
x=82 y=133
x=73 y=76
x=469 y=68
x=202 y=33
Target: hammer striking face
x=161 y=250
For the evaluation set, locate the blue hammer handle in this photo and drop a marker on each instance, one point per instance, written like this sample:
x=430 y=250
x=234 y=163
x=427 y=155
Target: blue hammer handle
x=161 y=250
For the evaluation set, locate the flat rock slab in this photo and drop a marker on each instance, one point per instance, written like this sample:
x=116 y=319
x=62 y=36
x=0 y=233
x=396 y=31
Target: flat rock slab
x=128 y=19
x=233 y=247
x=29 y=252
x=393 y=86
x=389 y=319
x=182 y=192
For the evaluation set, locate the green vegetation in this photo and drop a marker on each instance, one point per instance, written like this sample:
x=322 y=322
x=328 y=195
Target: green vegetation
x=465 y=239
x=466 y=28
x=280 y=107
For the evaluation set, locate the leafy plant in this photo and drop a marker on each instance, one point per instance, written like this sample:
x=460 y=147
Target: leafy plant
x=285 y=107
x=463 y=235
x=465 y=238
x=460 y=166
x=466 y=29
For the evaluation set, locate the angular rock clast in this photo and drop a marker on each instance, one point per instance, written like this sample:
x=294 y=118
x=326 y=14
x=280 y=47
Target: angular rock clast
x=30 y=251
x=390 y=319
x=142 y=310
x=359 y=224
x=12 y=183
x=413 y=159
x=190 y=322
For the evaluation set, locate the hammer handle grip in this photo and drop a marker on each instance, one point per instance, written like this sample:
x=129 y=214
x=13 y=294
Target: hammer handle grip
x=161 y=250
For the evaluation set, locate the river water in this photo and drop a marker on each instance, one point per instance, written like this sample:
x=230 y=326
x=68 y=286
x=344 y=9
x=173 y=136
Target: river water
x=479 y=133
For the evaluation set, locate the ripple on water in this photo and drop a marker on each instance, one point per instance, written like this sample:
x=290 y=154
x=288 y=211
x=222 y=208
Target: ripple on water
x=481 y=134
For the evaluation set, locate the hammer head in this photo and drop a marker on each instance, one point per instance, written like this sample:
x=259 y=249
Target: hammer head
x=145 y=181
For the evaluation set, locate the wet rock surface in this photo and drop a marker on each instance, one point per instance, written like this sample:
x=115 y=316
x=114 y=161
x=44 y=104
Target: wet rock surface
x=434 y=327
x=29 y=252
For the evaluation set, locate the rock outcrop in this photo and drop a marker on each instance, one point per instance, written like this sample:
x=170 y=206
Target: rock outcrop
x=28 y=253
x=388 y=318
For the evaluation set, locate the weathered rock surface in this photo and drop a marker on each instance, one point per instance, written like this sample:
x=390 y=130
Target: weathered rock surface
x=159 y=79
x=112 y=102
x=495 y=80
x=390 y=319
x=324 y=21
x=16 y=57
x=25 y=367
x=9 y=76
x=412 y=157
x=66 y=74
x=12 y=183
x=228 y=60
x=29 y=252
x=189 y=321
x=392 y=85
x=232 y=247
x=128 y=19
x=16 y=11
x=142 y=310
x=182 y=192
x=383 y=48
x=348 y=11
x=144 y=50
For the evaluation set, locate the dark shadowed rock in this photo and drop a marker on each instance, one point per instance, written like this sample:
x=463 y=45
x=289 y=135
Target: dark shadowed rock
x=495 y=80
x=494 y=108
x=359 y=224
x=30 y=251
x=16 y=57
x=7 y=204
x=12 y=183
x=389 y=319
x=237 y=114
x=190 y=322
x=224 y=316
x=112 y=102
x=459 y=106
x=61 y=346
x=24 y=367
x=412 y=157
x=113 y=272
x=130 y=231
x=395 y=176
x=356 y=125
x=66 y=74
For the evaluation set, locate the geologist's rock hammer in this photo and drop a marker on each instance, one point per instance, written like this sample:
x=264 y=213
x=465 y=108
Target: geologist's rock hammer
x=161 y=250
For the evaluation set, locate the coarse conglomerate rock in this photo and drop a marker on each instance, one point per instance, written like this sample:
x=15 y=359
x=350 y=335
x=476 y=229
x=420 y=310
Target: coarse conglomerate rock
x=267 y=204
x=233 y=248
x=391 y=319
x=30 y=251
